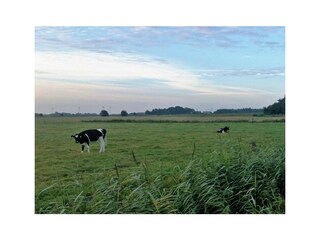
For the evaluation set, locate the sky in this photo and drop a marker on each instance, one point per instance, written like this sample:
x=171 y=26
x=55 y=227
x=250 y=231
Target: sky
x=87 y=69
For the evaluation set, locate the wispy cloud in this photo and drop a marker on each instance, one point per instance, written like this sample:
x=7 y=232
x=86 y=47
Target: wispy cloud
x=126 y=39
x=88 y=66
x=129 y=71
x=265 y=72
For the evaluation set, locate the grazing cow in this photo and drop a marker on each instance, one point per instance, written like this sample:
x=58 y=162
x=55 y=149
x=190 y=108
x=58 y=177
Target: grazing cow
x=92 y=135
x=223 y=130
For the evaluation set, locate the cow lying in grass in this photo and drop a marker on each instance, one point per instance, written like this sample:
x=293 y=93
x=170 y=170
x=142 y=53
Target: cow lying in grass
x=223 y=130
x=92 y=135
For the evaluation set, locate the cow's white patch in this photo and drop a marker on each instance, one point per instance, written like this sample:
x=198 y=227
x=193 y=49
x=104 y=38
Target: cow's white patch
x=87 y=137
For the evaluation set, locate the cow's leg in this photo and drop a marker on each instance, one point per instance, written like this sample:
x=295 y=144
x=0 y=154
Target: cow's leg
x=105 y=142
x=88 y=146
x=102 y=144
x=82 y=147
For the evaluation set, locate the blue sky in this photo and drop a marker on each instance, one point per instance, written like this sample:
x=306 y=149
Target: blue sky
x=141 y=68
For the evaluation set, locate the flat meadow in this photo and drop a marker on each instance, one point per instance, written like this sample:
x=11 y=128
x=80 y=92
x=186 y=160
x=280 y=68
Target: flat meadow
x=161 y=164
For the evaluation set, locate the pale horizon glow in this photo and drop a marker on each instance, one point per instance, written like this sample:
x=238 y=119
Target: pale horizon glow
x=77 y=70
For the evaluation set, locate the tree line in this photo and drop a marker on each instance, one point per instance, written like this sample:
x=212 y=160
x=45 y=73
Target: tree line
x=171 y=110
x=241 y=110
x=275 y=108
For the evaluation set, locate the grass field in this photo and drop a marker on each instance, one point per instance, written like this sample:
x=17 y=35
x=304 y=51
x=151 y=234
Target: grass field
x=167 y=164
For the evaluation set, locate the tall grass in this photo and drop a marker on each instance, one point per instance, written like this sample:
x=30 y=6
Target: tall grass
x=234 y=180
x=253 y=185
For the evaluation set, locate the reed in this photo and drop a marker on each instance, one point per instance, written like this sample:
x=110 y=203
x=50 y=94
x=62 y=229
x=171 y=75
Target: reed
x=222 y=184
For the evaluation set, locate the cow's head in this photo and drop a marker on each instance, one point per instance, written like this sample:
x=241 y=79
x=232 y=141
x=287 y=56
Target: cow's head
x=77 y=137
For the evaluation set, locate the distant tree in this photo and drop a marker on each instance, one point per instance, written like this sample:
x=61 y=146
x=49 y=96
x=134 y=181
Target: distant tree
x=124 y=113
x=104 y=113
x=240 y=110
x=276 y=108
x=171 y=110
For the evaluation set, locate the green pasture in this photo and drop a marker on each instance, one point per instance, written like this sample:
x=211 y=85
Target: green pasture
x=147 y=163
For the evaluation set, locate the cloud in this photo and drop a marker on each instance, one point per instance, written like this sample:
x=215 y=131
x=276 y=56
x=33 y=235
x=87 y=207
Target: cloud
x=131 y=39
x=130 y=72
x=88 y=66
x=265 y=72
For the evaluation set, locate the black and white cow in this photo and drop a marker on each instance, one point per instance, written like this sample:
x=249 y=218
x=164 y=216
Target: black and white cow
x=92 y=135
x=223 y=130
